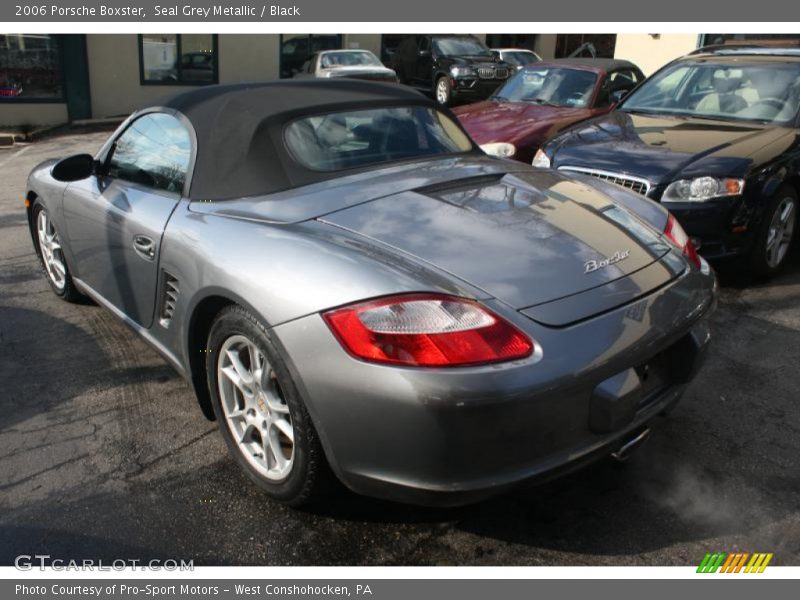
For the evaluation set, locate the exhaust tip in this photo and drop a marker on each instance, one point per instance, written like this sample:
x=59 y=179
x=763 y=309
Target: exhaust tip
x=631 y=444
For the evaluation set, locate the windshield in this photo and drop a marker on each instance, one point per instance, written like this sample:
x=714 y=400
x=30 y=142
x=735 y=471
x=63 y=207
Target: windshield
x=553 y=86
x=728 y=91
x=345 y=140
x=519 y=59
x=455 y=46
x=350 y=59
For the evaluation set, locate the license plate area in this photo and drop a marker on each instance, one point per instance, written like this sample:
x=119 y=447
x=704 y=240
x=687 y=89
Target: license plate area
x=655 y=376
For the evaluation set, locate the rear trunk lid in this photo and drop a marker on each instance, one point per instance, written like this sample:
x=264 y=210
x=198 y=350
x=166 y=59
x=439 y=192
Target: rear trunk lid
x=527 y=238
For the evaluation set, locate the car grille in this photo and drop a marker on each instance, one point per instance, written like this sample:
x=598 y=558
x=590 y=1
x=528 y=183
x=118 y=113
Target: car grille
x=492 y=73
x=634 y=184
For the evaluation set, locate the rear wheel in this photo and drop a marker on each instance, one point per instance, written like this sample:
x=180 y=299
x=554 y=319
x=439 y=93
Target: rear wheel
x=260 y=414
x=442 y=91
x=51 y=255
x=776 y=233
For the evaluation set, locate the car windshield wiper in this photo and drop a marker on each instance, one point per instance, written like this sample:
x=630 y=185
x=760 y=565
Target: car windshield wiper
x=542 y=101
x=642 y=111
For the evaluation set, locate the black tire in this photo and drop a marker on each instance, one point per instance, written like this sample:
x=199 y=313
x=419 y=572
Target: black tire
x=447 y=97
x=760 y=264
x=68 y=292
x=309 y=478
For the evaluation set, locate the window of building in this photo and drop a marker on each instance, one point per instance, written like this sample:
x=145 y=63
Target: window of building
x=511 y=40
x=761 y=39
x=30 y=68
x=590 y=45
x=178 y=59
x=297 y=48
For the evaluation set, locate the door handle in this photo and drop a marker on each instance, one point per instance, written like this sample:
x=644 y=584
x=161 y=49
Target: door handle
x=144 y=246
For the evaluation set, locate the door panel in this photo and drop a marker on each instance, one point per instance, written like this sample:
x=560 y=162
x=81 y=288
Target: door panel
x=424 y=63
x=109 y=222
x=115 y=220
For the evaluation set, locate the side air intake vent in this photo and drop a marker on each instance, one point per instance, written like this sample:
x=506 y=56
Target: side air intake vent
x=169 y=299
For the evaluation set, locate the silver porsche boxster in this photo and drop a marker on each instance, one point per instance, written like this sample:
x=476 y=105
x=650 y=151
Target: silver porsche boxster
x=354 y=290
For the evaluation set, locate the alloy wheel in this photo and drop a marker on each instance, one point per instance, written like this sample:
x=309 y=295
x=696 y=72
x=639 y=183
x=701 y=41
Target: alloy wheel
x=255 y=410
x=441 y=91
x=52 y=254
x=781 y=231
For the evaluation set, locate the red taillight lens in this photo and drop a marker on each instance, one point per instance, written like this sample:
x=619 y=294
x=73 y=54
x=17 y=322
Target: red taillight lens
x=678 y=236
x=427 y=330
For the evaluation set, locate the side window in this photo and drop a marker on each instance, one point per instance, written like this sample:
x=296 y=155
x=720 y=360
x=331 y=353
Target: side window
x=424 y=44
x=623 y=80
x=153 y=151
x=625 y=76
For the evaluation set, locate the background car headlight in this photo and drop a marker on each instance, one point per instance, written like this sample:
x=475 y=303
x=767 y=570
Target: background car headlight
x=428 y=330
x=500 y=149
x=701 y=189
x=541 y=160
x=463 y=72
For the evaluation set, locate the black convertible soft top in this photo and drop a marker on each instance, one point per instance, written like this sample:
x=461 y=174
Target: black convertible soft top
x=239 y=129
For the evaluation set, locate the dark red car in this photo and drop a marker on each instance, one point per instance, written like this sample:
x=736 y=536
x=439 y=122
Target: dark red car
x=544 y=98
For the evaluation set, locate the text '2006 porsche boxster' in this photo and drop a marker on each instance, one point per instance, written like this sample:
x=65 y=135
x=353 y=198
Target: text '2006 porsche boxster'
x=355 y=289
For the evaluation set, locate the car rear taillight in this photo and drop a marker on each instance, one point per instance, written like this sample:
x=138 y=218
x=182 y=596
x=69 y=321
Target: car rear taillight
x=678 y=236
x=427 y=330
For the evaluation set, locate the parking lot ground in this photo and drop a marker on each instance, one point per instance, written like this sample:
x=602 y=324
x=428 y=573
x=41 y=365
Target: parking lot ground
x=104 y=453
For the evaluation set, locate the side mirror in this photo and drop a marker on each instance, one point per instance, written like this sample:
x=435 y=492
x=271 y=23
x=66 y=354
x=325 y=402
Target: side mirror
x=424 y=53
x=75 y=168
x=618 y=95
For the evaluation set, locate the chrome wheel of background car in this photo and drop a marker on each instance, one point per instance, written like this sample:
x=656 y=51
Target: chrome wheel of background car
x=255 y=410
x=442 y=91
x=50 y=247
x=781 y=231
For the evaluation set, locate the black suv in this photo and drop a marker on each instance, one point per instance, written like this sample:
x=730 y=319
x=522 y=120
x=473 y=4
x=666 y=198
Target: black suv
x=713 y=136
x=451 y=67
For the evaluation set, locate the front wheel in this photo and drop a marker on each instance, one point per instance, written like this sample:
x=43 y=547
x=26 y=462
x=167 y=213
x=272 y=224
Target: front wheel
x=443 y=91
x=51 y=255
x=260 y=414
x=776 y=233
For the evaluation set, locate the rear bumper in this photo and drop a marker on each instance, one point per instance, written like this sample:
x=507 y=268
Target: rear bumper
x=454 y=436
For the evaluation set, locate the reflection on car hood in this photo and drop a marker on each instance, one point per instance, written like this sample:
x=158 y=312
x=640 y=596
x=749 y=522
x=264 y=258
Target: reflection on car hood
x=659 y=148
x=525 y=238
x=497 y=121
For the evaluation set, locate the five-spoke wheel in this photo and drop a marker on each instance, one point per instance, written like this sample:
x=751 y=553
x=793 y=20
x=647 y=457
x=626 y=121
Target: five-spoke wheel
x=50 y=246
x=262 y=417
x=776 y=232
x=255 y=410
x=51 y=254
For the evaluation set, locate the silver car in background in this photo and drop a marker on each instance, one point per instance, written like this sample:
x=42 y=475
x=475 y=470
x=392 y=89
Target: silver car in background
x=354 y=289
x=355 y=64
x=519 y=57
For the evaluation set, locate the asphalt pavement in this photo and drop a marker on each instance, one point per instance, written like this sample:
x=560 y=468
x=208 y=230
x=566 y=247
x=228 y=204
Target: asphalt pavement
x=105 y=454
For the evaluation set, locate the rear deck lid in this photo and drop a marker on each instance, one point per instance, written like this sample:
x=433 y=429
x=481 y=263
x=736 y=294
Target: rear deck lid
x=527 y=238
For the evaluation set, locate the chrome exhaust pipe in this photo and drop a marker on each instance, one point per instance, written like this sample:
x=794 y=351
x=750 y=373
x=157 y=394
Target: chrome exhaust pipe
x=624 y=452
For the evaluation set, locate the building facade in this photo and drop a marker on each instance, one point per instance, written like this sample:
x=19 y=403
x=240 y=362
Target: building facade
x=54 y=79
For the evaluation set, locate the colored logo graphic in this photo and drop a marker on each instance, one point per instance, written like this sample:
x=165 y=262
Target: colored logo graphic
x=735 y=563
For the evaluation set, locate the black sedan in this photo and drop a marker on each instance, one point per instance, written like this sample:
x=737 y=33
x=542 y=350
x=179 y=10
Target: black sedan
x=714 y=137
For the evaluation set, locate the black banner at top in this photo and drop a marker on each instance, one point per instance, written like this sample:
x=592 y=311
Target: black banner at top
x=479 y=11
